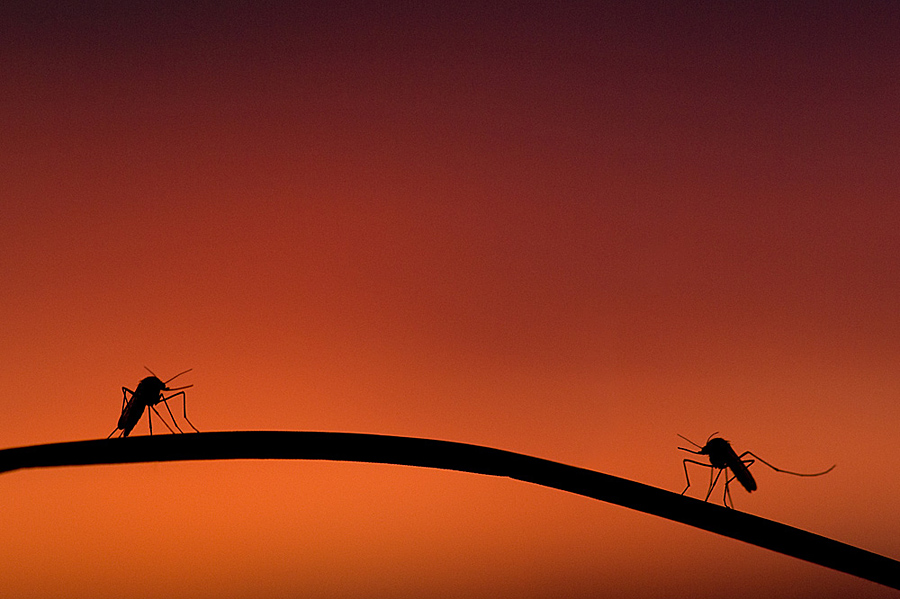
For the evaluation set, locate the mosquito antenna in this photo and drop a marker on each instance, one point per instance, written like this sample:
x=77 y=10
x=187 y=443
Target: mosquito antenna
x=150 y=371
x=175 y=377
x=788 y=471
x=689 y=441
x=711 y=436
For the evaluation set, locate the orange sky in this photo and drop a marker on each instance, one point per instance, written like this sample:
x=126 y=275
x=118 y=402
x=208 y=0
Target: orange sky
x=568 y=232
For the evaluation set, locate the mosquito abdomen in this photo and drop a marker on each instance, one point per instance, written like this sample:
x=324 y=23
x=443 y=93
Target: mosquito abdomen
x=742 y=473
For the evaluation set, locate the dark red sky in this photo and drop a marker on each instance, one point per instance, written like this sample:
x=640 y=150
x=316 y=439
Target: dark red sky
x=571 y=231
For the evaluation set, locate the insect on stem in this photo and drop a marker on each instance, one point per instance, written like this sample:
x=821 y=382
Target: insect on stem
x=149 y=394
x=722 y=457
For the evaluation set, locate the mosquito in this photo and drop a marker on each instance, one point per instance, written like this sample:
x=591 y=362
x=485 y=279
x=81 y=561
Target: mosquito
x=149 y=392
x=723 y=457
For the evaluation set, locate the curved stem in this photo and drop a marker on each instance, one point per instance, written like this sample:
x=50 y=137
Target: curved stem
x=430 y=453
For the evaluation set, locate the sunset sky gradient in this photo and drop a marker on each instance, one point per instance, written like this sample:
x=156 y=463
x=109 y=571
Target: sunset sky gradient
x=571 y=230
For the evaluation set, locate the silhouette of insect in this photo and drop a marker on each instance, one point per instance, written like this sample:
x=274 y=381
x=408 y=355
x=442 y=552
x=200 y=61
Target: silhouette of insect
x=149 y=392
x=722 y=458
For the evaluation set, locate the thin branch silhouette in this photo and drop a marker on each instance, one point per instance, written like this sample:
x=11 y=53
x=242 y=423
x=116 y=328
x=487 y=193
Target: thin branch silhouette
x=449 y=455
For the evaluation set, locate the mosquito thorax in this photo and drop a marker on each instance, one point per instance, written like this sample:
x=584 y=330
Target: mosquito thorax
x=151 y=384
x=718 y=450
x=716 y=445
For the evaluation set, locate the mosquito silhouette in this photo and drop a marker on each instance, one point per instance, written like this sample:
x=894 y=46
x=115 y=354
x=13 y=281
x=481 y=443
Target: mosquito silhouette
x=722 y=457
x=149 y=392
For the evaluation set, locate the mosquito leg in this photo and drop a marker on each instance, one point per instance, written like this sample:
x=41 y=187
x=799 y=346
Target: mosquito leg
x=171 y=415
x=124 y=399
x=183 y=408
x=712 y=485
x=785 y=471
x=726 y=499
x=161 y=418
x=686 y=477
